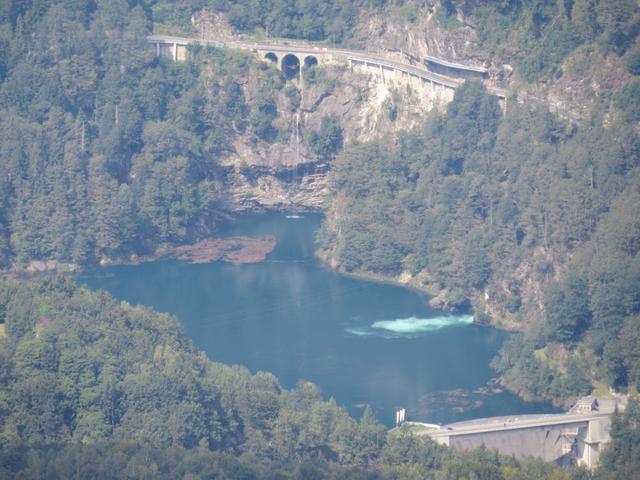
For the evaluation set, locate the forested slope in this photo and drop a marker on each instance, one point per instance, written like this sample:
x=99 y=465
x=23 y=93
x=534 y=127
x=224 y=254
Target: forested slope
x=107 y=151
x=526 y=216
x=92 y=388
x=331 y=20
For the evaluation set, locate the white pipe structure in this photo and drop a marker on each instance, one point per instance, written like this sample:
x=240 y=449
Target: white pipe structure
x=400 y=416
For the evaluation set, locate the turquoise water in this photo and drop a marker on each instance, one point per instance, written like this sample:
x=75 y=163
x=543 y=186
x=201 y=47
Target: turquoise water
x=362 y=342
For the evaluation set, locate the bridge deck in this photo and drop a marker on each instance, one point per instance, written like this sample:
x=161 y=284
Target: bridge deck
x=457 y=66
x=355 y=55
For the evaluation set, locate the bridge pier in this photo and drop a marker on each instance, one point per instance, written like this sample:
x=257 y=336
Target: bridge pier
x=174 y=50
x=440 y=87
x=503 y=105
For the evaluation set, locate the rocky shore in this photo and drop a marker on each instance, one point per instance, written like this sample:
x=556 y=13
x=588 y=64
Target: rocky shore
x=233 y=250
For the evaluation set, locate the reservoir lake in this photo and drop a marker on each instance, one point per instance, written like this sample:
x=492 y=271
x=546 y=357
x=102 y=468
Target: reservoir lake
x=361 y=342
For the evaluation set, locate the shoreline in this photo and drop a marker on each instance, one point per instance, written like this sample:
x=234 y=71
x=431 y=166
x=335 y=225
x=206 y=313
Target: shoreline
x=167 y=252
x=372 y=277
x=425 y=292
x=236 y=249
x=387 y=280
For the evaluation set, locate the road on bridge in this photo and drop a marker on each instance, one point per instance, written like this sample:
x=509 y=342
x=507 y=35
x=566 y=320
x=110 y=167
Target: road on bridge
x=353 y=55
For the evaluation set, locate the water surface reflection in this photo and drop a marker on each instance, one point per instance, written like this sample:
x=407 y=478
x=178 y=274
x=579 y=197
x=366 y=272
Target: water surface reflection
x=299 y=320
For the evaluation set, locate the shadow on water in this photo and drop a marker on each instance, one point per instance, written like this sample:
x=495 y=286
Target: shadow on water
x=362 y=342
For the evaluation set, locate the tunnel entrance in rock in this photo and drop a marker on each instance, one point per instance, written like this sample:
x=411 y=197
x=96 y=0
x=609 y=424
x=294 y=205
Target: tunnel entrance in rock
x=291 y=66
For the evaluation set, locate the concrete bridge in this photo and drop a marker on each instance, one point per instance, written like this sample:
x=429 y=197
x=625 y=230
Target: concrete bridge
x=292 y=58
x=568 y=438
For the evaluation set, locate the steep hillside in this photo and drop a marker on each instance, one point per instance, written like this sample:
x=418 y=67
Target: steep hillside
x=119 y=153
x=92 y=388
x=108 y=152
x=524 y=216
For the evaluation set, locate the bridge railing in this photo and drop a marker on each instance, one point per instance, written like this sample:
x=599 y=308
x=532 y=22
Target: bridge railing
x=353 y=55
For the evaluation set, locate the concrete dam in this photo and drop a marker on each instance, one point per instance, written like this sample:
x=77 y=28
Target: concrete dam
x=573 y=438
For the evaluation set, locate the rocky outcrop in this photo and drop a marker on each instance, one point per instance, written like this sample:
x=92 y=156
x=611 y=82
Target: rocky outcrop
x=286 y=174
x=300 y=187
x=39 y=266
x=233 y=250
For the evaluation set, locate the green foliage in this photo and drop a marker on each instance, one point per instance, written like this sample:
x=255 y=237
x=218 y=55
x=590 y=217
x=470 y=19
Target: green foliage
x=393 y=223
x=118 y=151
x=621 y=460
x=567 y=307
x=293 y=96
x=262 y=114
x=371 y=239
x=134 y=460
x=96 y=370
x=90 y=387
x=332 y=20
x=618 y=22
x=107 y=151
x=628 y=100
x=475 y=255
x=173 y=16
x=327 y=142
x=633 y=61
x=446 y=16
x=535 y=377
x=540 y=34
x=472 y=197
x=630 y=348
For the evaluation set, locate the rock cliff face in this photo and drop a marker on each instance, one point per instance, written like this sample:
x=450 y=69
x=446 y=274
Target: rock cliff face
x=413 y=35
x=286 y=174
x=416 y=35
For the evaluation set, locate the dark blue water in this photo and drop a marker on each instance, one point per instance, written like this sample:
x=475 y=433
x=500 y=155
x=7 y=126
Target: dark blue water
x=293 y=317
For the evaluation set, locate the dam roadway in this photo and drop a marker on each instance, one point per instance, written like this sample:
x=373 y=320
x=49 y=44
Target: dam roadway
x=570 y=438
x=357 y=56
